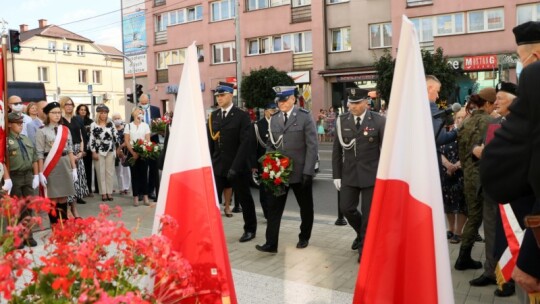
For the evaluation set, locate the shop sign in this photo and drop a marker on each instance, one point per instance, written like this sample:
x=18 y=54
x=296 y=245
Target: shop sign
x=173 y=88
x=477 y=63
x=353 y=78
x=300 y=76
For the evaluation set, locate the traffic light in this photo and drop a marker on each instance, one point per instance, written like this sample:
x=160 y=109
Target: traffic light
x=14 y=41
x=130 y=98
x=138 y=90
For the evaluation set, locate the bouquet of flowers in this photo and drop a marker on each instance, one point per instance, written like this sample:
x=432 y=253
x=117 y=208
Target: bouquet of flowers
x=159 y=125
x=91 y=260
x=145 y=149
x=276 y=170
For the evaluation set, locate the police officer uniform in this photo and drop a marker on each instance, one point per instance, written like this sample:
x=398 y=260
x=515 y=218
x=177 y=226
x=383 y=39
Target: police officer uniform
x=230 y=149
x=355 y=159
x=22 y=166
x=294 y=135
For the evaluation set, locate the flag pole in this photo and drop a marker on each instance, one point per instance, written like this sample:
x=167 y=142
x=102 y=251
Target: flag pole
x=5 y=159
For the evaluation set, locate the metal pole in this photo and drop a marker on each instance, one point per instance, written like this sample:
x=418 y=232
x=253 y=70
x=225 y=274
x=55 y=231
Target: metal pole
x=238 y=43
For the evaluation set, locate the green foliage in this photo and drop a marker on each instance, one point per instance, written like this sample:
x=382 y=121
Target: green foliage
x=434 y=64
x=256 y=88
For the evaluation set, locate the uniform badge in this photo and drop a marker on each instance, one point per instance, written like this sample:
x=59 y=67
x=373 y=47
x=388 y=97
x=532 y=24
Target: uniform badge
x=371 y=139
x=13 y=153
x=365 y=133
x=11 y=142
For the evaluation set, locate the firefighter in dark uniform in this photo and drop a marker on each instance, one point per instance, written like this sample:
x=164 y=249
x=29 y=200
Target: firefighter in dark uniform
x=22 y=177
x=355 y=159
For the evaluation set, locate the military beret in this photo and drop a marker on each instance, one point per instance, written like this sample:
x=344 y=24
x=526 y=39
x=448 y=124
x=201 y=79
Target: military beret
x=50 y=106
x=224 y=87
x=507 y=87
x=283 y=92
x=527 y=33
x=357 y=95
x=15 y=117
x=488 y=94
x=102 y=108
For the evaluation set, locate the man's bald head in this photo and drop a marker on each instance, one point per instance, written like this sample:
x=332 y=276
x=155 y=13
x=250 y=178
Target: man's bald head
x=14 y=99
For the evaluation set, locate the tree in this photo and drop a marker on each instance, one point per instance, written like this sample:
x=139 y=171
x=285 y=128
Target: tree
x=434 y=64
x=256 y=88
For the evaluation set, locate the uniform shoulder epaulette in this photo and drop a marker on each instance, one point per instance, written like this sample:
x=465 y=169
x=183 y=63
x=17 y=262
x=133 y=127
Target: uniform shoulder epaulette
x=304 y=110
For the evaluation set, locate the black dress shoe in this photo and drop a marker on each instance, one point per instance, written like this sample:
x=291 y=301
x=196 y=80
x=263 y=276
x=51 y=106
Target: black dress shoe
x=302 y=244
x=81 y=201
x=482 y=280
x=266 y=248
x=247 y=236
x=152 y=197
x=355 y=243
x=237 y=209
x=508 y=289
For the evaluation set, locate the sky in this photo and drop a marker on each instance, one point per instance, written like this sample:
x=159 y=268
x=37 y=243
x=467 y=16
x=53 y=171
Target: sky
x=102 y=30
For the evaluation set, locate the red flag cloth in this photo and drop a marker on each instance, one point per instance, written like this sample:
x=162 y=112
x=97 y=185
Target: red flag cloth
x=405 y=256
x=2 y=107
x=187 y=193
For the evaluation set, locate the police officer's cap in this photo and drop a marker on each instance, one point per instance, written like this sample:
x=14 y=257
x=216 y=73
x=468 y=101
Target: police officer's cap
x=527 y=33
x=283 y=92
x=224 y=87
x=50 y=106
x=15 y=117
x=357 y=95
x=102 y=108
x=507 y=87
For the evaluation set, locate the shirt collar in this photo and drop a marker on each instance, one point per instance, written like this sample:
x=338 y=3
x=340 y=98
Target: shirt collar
x=228 y=109
x=361 y=116
x=290 y=112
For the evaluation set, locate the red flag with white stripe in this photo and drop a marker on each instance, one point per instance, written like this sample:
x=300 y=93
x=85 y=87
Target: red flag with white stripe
x=405 y=257
x=187 y=193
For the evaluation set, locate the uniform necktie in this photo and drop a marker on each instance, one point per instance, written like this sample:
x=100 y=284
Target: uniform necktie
x=224 y=114
x=23 y=149
x=285 y=114
x=357 y=123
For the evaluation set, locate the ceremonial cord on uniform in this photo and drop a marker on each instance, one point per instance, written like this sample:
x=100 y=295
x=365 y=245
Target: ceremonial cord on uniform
x=259 y=139
x=277 y=143
x=348 y=146
x=213 y=135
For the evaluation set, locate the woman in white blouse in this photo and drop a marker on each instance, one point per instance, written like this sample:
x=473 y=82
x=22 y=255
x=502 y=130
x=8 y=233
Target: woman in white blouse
x=134 y=131
x=102 y=143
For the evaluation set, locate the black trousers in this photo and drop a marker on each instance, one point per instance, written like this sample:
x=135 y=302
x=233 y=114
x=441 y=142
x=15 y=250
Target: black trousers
x=349 y=199
x=263 y=198
x=242 y=193
x=87 y=160
x=139 y=177
x=153 y=176
x=276 y=205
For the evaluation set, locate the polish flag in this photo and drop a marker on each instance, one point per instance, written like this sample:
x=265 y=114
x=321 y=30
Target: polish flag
x=405 y=256
x=188 y=194
x=3 y=97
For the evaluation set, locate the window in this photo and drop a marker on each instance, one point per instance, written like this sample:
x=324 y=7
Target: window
x=529 y=12
x=449 y=24
x=297 y=42
x=424 y=28
x=302 y=42
x=96 y=77
x=178 y=17
x=43 y=74
x=82 y=76
x=67 y=47
x=223 y=53
x=259 y=46
x=200 y=53
x=296 y=3
x=194 y=13
x=486 y=20
x=380 y=35
x=277 y=44
x=80 y=50
x=341 y=39
x=259 y=4
x=52 y=46
x=489 y=75
x=223 y=10
x=178 y=56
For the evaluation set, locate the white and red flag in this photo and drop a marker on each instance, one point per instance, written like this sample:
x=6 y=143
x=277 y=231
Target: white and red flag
x=405 y=257
x=3 y=97
x=187 y=193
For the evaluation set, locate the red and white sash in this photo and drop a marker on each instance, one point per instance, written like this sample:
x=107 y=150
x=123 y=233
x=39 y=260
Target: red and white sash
x=56 y=152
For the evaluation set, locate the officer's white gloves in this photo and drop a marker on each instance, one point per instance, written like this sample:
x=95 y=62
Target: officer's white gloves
x=42 y=179
x=74 y=175
x=35 y=181
x=8 y=184
x=337 y=183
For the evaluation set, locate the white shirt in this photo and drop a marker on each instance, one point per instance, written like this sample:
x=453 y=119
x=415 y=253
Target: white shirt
x=26 y=120
x=136 y=132
x=288 y=114
x=228 y=109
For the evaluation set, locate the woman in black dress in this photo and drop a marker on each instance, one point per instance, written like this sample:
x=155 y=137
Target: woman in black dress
x=84 y=113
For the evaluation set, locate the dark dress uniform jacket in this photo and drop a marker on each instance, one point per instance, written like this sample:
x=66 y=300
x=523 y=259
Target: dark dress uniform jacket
x=510 y=165
x=360 y=170
x=299 y=141
x=233 y=147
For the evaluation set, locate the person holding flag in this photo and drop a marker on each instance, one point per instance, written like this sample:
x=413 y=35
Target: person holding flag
x=56 y=163
x=355 y=158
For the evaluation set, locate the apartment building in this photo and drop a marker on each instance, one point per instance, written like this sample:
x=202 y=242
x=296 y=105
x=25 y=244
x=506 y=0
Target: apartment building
x=475 y=35
x=69 y=65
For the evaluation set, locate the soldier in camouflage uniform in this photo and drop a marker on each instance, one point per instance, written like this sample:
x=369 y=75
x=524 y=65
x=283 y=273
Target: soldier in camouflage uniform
x=471 y=134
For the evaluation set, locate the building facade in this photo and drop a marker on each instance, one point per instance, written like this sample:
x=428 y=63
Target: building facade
x=69 y=65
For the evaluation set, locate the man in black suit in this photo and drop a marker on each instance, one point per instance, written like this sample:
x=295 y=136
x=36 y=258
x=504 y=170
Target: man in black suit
x=355 y=159
x=230 y=149
x=510 y=166
x=150 y=113
x=260 y=129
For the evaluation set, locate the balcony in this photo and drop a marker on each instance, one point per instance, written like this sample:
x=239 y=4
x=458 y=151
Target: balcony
x=301 y=14
x=161 y=37
x=302 y=61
